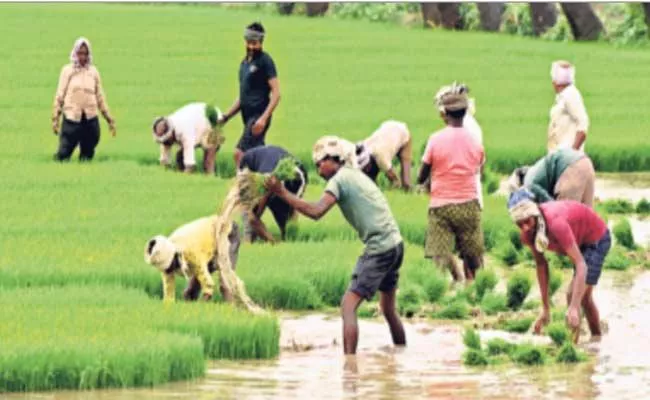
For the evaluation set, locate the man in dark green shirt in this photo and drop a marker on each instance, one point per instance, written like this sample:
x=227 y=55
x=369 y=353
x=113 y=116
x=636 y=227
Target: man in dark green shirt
x=259 y=92
x=566 y=174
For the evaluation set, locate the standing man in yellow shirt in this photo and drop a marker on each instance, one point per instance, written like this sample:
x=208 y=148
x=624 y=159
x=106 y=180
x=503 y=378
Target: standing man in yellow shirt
x=79 y=97
x=569 y=120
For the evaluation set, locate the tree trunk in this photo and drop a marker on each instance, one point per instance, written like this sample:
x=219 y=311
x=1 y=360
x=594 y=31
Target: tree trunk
x=316 y=9
x=646 y=8
x=286 y=8
x=446 y=15
x=585 y=25
x=490 y=14
x=430 y=15
x=544 y=16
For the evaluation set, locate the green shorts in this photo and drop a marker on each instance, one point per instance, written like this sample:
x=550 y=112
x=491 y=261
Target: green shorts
x=455 y=224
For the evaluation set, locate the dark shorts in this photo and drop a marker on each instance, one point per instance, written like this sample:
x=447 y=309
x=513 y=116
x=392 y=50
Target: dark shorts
x=594 y=255
x=377 y=272
x=282 y=211
x=249 y=141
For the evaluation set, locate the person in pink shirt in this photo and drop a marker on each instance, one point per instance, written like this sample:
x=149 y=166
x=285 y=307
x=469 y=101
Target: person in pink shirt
x=569 y=228
x=451 y=160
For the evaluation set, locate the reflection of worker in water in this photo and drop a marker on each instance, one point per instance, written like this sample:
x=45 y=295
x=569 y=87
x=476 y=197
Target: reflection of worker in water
x=192 y=251
x=567 y=228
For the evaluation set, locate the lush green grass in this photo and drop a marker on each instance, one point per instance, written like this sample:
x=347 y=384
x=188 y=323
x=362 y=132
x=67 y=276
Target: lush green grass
x=336 y=77
x=102 y=336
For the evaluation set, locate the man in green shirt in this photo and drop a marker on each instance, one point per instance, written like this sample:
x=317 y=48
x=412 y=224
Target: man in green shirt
x=364 y=206
x=566 y=174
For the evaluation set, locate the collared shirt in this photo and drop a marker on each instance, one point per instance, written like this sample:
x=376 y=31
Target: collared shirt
x=568 y=116
x=386 y=142
x=191 y=129
x=79 y=92
x=254 y=88
x=197 y=241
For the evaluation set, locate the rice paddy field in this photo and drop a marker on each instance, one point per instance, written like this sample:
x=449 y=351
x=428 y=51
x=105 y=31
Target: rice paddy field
x=79 y=307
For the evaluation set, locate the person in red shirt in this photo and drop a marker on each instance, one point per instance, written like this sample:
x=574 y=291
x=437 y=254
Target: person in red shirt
x=568 y=228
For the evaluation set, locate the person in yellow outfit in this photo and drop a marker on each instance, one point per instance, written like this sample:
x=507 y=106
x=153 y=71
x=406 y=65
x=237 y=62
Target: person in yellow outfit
x=192 y=250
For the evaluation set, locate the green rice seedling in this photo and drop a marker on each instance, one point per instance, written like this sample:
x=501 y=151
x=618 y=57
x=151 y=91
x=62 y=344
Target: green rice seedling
x=531 y=305
x=472 y=339
x=617 y=259
x=367 y=310
x=554 y=282
x=643 y=206
x=617 y=206
x=251 y=184
x=499 y=346
x=519 y=286
x=284 y=292
x=529 y=354
x=515 y=239
x=474 y=358
x=435 y=286
x=457 y=309
x=409 y=299
x=516 y=325
x=211 y=114
x=558 y=332
x=508 y=253
x=494 y=303
x=623 y=234
x=568 y=354
x=558 y=314
x=109 y=337
x=485 y=281
x=557 y=261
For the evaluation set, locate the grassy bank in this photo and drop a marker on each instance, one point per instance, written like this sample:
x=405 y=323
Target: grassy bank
x=106 y=337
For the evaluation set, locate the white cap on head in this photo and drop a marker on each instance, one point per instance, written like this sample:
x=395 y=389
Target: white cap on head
x=563 y=73
x=331 y=146
x=159 y=252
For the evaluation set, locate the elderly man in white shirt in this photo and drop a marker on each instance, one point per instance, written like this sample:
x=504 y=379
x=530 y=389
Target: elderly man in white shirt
x=193 y=125
x=569 y=121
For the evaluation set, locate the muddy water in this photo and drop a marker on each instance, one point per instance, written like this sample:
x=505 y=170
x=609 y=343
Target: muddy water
x=430 y=367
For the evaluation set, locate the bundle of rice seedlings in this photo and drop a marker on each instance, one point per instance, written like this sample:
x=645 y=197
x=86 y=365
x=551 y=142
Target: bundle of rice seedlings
x=569 y=354
x=473 y=357
x=251 y=184
x=558 y=332
x=529 y=354
x=472 y=339
x=499 y=346
x=212 y=114
x=518 y=288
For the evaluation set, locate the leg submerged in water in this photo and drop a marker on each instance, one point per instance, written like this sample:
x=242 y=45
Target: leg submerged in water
x=387 y=302
x=349 y=305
